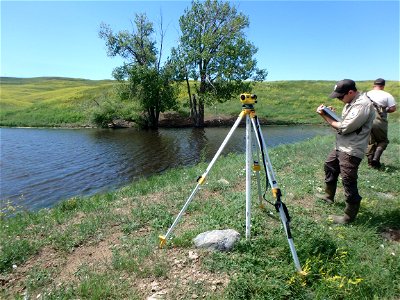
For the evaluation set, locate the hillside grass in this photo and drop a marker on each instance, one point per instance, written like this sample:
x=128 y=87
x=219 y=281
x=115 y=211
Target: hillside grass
x=67 y=102
x=51 y=102
x=106 y=246
x=295 y=102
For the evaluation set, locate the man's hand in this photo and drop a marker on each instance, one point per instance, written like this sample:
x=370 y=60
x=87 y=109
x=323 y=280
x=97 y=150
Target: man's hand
x=320 y=109
x=330 y=121
x=332 y=108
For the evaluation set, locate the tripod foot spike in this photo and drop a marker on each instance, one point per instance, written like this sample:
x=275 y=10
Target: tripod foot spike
x=163 y=240
x=303 y=273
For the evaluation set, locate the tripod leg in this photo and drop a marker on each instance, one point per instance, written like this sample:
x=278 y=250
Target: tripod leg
x=249 y=159
x=164 y=238
x=285 y=223
x=263 y=148
x=200 y=180
x=257 y=168
x=279 y=205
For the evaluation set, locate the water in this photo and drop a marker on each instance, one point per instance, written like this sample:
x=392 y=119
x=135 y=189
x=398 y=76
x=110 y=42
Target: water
x=40 y=167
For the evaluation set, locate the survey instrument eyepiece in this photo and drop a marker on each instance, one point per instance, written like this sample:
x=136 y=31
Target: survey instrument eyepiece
x=248 y=98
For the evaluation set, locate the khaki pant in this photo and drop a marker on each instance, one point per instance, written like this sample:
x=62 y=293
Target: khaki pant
x=346 y=165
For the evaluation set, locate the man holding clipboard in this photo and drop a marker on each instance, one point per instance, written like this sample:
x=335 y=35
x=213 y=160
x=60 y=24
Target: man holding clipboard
x=352 y=133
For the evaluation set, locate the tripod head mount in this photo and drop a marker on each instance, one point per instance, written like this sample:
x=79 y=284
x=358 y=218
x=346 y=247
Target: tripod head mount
x=248 y=99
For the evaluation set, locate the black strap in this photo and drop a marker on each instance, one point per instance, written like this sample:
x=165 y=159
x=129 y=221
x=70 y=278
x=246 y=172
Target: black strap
x=378 y=108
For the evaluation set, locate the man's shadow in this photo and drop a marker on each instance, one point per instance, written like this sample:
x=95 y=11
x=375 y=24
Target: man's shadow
x=388 y=168
x=387 y=223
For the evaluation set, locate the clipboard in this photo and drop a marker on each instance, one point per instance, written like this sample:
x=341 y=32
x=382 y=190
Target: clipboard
x=331 y=114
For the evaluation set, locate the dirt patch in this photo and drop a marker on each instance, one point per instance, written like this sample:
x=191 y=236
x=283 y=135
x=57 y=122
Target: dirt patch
x=391 y=234
x=77 y=219
x=47 y=258
x=61 y=265
x=95 y=256
x=186 y=278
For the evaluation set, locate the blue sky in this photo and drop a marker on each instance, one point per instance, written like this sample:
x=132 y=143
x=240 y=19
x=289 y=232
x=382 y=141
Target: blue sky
x=297 y=40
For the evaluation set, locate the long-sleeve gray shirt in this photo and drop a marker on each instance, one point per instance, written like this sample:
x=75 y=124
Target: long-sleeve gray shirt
x=353 y=133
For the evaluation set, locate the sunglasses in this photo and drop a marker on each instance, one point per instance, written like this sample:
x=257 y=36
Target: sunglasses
x=341 y=97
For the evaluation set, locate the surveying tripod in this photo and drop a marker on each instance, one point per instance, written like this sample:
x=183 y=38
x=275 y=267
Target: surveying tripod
x=248 y=101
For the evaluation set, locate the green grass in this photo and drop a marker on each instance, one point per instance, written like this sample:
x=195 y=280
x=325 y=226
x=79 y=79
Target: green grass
x=355 y=261
x=66 y=102
x=51 y=102
x=295 y=102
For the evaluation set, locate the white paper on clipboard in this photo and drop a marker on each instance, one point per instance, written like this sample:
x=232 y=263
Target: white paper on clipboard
x=331 y=114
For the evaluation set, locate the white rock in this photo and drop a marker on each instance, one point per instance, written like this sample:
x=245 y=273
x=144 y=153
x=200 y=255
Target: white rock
x=222 y=240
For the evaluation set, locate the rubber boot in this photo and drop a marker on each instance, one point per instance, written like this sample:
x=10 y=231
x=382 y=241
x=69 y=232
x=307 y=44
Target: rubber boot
x=377 y=156
x=330 y=191
x=350 y=213
x=370 y=157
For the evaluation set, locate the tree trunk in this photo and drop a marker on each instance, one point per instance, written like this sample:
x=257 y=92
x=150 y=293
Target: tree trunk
x=200 y=105
x=153 y=115
x=200 y=116
x=190 y=97
x=193 y=110
x=196 y=105
x=192 y=102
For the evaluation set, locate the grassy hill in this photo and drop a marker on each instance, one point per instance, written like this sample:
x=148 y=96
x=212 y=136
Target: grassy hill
x=48 y=101
x=68 y=102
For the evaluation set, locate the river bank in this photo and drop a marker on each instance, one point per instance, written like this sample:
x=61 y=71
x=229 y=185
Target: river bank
x=106 y=246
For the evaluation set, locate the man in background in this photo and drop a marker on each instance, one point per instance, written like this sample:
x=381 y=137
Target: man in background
x=384 y=103
x=352 y=133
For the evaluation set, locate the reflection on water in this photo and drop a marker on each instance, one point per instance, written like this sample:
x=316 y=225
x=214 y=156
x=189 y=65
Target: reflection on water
x=40 y=167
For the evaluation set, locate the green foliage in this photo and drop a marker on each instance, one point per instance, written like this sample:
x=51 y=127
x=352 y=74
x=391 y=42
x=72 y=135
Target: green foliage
x=15 y=252
x=213 y=50
x=133 y=256
x=152 y=90
x=137 y=47
x=155 y=215
x=142 y=80
x=111 y=110
x=213 y=37
x=38 y=278
x=93 y=286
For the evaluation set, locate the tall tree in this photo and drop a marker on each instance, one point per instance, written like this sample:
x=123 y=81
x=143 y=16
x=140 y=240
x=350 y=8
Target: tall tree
x=142 y=78
x=214 y=52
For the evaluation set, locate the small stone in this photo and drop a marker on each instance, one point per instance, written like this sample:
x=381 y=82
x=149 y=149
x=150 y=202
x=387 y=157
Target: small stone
x=158 y=295
x=223 y=181
x=217 y=282
x=193 y=255
x=154 y=286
